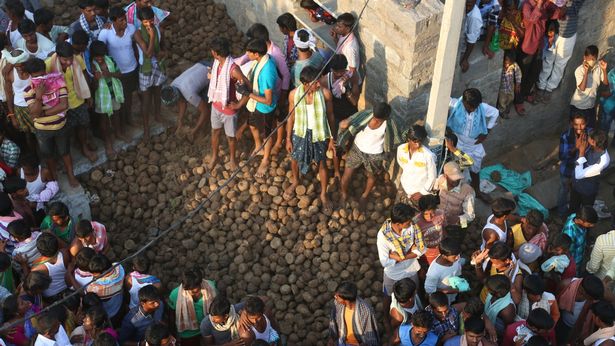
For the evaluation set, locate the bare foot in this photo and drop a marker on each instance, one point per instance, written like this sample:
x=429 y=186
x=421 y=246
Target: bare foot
x=289 y=193
x=178 y=131
x=326 y=204
x=212 y=163
x=257 y=152
x=89 y=154
x=234 y=165
x=276 y=149
x=343 y=198
x=191 y=136
x=73 y=181
x=262 y=169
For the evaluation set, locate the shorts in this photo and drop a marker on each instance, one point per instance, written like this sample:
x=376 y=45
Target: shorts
x=130 y=81
x=52 y=143
x=371 y=162
x=116 y=107
x=219 y=120
x=281 y=112
x=79 y=116
x=154 y=79
x=264 y=122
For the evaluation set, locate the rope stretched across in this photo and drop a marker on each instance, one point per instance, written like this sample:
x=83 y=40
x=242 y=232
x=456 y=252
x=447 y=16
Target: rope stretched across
x=200 y=206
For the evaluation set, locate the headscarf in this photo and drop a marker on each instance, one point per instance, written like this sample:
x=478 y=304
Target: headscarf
x=311 y=42
x=19 y=59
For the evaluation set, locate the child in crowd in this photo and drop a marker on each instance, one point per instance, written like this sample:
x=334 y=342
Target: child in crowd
x=577 y=227
x=549 y=53
x=139 y=278
x=41 y=185
x=16 y=188
x=59 y=222
x=109 y=95
x=445 y=267
x=560 y=265
x=153 y=67
x=510 y=85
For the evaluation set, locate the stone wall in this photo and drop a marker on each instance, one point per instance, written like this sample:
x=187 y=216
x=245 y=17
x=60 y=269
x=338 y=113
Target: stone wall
x=399 y=48
x=398 y=45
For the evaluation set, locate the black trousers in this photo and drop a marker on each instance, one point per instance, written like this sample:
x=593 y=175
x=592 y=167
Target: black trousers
x=578 y=200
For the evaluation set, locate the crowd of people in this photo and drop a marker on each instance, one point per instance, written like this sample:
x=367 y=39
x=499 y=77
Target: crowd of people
x=532 y=287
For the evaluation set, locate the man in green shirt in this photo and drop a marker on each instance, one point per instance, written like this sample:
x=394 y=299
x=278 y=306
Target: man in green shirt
x=189 y=302
x=59 y=222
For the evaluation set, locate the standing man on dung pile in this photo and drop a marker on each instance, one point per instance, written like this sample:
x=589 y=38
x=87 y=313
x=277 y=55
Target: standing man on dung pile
x=471 y=120
x=159 y=14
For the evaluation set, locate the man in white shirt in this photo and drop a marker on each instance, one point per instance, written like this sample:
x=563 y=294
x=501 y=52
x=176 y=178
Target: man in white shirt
x=593 y=159
x=369 y=150
x=471 y=120
x=347 y=42
x=446 y=266
x=472 y=28
x=120 y=43
x=399 y=247
x=418 y=165
x=37 y=45
x=50 y=331
x=588 y=78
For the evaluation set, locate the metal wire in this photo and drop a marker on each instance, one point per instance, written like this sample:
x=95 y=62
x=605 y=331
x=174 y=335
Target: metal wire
x=200 y=206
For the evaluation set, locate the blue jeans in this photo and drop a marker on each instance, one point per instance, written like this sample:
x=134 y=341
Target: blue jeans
x=563 y=195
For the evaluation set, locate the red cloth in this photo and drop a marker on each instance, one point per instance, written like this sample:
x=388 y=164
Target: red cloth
x=6 y=168
x=571 y=270
x=511 y=332
x=232 y=95
x=535 y=21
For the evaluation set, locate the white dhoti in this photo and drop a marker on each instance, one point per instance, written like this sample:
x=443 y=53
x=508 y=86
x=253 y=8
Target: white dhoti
x=476 y=151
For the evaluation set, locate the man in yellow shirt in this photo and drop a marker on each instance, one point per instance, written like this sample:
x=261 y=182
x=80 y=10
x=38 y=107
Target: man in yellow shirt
x=531 y=229
x=72 y=66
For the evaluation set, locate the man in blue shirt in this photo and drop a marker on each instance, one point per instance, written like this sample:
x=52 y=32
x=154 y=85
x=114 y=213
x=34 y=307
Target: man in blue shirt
x=149 y=311
x=263 y=98
x=568 y=155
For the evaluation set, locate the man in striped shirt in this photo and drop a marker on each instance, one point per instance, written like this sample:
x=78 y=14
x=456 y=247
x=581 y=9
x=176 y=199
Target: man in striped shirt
x=602 y=255
x=51 y=134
